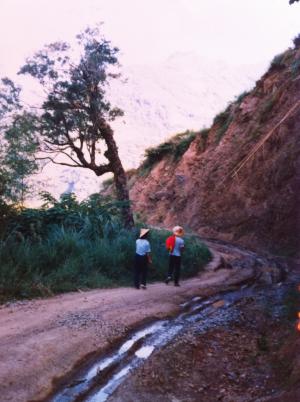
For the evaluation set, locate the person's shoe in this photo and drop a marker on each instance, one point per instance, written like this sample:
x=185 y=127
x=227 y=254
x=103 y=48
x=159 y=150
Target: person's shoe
x=176 y=284
x=144 y=287
x=168 y=280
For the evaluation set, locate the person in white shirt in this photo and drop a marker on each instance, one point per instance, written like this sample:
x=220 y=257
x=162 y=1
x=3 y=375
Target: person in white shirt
x=175 y=256
x=142 y=258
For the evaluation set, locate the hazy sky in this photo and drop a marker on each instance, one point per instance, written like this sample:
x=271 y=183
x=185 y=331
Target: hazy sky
x=148 y=31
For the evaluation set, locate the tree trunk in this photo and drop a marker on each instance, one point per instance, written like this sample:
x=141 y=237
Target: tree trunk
x=123 y=195
x=119 y=173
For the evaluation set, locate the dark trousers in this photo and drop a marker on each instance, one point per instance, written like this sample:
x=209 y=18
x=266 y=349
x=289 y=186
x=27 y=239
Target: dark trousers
x=174 y=267
x=140 y=270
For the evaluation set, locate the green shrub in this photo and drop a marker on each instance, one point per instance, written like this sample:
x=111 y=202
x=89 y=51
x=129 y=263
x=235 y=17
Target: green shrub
x=239 y=99
x=174 y=148
x=204 y=133
x=154 y=155
x=278 y=63
x=202 y=141
x=295 y=67
x=223 y=121
x=182 y=146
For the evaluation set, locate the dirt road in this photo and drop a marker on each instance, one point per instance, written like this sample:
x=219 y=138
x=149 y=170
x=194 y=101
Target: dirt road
x=43 y=340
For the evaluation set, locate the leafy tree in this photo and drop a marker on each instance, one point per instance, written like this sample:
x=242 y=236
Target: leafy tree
x=75 y=122
x=9 y=98
x=17 y=145
x=293 y=1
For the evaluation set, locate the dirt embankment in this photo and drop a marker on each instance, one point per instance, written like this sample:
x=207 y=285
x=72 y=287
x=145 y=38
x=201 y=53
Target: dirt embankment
x=258 y=206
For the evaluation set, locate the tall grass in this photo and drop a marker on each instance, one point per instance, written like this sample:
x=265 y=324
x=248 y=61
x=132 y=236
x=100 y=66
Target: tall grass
x=66 y=257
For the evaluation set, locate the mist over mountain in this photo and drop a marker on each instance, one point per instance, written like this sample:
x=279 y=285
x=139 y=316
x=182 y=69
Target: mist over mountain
x=184 y=92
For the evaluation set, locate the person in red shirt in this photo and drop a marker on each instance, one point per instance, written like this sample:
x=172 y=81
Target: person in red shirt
x=176 y=246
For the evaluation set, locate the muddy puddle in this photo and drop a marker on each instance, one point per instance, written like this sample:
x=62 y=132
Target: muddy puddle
x=97 y=382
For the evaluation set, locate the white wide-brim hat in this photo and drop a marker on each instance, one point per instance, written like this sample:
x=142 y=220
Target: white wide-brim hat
x=178 y=230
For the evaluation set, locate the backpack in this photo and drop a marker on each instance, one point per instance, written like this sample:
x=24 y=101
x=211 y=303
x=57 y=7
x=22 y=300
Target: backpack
x=170 y=243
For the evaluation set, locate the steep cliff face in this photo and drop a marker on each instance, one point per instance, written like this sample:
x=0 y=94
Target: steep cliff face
x=213 y=189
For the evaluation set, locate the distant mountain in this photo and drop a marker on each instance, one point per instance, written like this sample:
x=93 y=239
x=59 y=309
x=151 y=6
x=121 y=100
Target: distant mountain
x=183 y=93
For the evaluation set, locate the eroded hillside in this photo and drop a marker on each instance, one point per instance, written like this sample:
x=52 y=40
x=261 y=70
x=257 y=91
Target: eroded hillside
x=239 y=180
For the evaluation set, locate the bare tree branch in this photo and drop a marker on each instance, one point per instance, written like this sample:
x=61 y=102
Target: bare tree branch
x=78 y=151
x=61 y=151
x=38 y=158
x=57 y=144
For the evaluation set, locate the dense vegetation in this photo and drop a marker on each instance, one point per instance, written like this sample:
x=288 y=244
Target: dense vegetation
x=69 y=245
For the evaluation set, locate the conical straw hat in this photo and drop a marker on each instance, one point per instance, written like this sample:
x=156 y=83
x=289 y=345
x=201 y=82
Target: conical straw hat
x=143 y=232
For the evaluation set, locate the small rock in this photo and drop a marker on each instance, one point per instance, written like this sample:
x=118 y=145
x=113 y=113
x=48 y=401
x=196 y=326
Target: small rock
x=219 y=303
